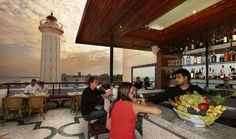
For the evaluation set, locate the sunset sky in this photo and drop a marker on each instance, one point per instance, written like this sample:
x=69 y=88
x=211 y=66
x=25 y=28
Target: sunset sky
x=20 y=39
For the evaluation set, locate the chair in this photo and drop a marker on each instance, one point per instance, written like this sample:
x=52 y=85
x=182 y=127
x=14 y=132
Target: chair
x=13 y=104
x=37 y=104
x=76 y=103
x=96 y=128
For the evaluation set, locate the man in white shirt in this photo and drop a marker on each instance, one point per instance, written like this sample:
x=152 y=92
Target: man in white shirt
x=42 y=87
x=32 y=87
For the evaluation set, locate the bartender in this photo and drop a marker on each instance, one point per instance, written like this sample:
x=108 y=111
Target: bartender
x=183 y=87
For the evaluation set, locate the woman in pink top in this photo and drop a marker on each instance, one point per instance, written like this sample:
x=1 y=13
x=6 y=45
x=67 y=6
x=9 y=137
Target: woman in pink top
x=121 y=119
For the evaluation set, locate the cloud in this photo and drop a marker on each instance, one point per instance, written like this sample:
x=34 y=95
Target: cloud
x=20 y=39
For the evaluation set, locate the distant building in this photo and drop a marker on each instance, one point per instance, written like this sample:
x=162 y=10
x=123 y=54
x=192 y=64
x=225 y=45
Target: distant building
x=73 y=78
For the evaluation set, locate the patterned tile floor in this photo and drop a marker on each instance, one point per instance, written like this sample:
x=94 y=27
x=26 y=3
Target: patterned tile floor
x=60 y=123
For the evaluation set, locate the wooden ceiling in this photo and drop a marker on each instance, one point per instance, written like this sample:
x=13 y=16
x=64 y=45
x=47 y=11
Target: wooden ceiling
x=121 y=22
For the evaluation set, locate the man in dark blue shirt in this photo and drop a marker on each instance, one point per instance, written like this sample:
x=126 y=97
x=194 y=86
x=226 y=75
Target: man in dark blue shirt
x=92 y=96
x=183 y=87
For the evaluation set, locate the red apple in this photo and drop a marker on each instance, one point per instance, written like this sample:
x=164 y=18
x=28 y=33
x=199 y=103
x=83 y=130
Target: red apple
x=203 y=106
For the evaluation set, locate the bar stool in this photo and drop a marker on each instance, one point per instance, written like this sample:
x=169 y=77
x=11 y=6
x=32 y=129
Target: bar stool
x=96 y=128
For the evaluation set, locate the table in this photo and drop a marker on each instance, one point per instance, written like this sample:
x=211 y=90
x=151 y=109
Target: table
x=74 y=93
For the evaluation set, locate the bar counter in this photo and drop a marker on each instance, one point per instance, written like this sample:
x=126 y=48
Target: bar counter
x=169 y=126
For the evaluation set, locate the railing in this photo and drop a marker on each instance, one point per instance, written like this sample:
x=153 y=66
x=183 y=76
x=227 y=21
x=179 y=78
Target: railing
x=57 y=23
x=53 y=86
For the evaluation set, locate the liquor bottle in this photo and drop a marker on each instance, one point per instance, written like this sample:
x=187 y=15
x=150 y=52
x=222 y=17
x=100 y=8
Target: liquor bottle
x=203 y=60
x=200 y=74
x=232 y=55
x=195 y=60
x=213 y=74
x=234 y=35
x=183 y=61
x=226 y=55
x=177 y=50
x=225 y=39
x=213 y=57
x=170 y=74
x=196 y=75
x=213 y=40
x=188 y=60
x=203 y=76
x=222 y=58
x=192 y=74
x=201 y=44
x=222 y=73
x=209 y=76
x=181 y=49
x=197 y=44
x=218 y=41
x=186 y=47
x=192 y=45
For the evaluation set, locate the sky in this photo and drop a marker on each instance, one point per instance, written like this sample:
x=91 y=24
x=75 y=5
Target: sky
x=20 y=39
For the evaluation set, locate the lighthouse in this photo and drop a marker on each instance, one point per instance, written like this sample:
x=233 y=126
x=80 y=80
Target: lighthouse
x=51 y=31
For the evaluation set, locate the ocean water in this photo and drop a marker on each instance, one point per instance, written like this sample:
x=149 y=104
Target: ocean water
x=16 y=79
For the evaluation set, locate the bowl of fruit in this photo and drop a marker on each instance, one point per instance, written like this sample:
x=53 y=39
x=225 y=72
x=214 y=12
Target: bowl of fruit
x=196 y=110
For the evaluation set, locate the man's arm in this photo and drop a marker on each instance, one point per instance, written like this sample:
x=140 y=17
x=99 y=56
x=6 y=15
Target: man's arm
x=160 y=97
x=200 y=90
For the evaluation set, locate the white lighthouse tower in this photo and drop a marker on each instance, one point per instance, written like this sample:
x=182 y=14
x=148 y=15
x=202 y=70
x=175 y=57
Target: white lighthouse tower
x=50 y=51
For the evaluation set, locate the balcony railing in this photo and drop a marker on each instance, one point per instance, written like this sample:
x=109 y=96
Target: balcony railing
x=54 y=87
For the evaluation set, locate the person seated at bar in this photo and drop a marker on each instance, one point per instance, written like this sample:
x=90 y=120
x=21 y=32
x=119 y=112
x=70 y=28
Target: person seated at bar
x=183 y=87
x=147 y=82
x=138 y=84
x=32 y=87
x=121 y=119
x=92 y=96
x=225 y=85
x=42 y=87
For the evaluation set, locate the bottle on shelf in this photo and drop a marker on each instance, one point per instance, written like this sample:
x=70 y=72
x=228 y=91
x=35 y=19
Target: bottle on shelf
x=213 y=40
x=197 y=44
x=192 y=74
x=226 y=55
x=221 y=58
x=187 y=44
x=232 y=74
x=192 y=45
x=186 y=47
x=195 y=60
x=222 y=73
x=181 y=49
x=225 y=38
x=213 y=57
x=212 y=74
x=200 y=74
x=188 y=60
x=183 y=61
x=170 y=74
x=203 y=76
x=217 y=38
x=196 y=75
x=203 y=58
x=201 y=44
x=234 y=35
x=232 y=55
